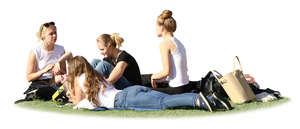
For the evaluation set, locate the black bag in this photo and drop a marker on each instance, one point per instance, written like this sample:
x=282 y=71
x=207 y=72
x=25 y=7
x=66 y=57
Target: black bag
x=209 y=85
x=268 y=90
x=146 y=80
x=39 y=89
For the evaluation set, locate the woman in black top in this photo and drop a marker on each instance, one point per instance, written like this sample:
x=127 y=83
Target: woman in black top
x=119 y=67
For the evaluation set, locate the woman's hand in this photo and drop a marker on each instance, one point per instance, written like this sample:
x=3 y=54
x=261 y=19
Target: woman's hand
x=109 y=83
x=153 y=82
x=57 y=68
x=249 y=78
x=60 y=78
x=31 y=73
x=70 y=96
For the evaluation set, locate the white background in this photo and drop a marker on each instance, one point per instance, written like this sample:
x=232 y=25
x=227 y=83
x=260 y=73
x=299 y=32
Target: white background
x=263 y=33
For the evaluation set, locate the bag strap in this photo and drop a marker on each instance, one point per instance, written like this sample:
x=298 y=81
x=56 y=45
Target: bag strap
x=214 y=72
x=236 y=58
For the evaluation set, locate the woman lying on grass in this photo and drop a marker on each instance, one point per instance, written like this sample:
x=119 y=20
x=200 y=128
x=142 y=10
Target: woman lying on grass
x=90 y=90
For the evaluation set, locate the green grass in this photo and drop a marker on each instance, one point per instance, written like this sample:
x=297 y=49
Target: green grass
x=51 y=107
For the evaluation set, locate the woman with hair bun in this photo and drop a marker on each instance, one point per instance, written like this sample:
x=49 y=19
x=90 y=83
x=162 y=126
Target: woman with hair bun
x=118 y=67
x=173 y=55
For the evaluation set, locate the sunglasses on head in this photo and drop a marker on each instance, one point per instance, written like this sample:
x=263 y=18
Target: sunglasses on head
x=49 y=24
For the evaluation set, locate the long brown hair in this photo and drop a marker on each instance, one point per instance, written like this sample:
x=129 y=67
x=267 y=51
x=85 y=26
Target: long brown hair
x=79 y=65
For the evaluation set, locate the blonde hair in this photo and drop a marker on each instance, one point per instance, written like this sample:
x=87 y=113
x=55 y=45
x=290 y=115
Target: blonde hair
x=79 y=65
x=43 y=28
x=113 y=39
x=167 y=21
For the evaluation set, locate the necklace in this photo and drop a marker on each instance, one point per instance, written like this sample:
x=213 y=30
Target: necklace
x=116 y=59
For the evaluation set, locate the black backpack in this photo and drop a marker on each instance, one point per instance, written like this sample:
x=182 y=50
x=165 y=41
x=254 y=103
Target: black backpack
x=40 y=89
x=209 y=85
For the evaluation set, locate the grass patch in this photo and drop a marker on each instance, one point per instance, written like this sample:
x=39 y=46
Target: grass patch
x=51 y=107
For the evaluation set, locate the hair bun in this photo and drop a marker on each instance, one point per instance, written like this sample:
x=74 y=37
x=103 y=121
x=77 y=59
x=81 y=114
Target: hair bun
x=166 y=14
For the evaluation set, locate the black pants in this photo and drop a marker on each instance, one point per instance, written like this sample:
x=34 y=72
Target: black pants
x=164 y=86
x=44 y=89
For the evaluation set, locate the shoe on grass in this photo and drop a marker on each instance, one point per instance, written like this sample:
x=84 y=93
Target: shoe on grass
x=219 y=103
x=204 y=103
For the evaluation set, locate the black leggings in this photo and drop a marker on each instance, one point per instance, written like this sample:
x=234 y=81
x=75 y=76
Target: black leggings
x=164 y=86
x=175 y=90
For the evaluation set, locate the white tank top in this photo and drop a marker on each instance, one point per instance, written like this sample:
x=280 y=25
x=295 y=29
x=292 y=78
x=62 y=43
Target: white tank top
x=44 y=58
x=106 y=99
x=179 y=76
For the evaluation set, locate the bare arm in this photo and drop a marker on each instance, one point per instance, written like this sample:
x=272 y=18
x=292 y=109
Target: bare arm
x=165 y=54
x=162 y=75
x=117 y=72
x=31 y=66
x=64 y=57
x=60 y=66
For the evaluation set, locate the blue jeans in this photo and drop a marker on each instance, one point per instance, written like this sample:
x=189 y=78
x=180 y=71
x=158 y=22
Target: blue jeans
x=105 y=68
x=140 y=97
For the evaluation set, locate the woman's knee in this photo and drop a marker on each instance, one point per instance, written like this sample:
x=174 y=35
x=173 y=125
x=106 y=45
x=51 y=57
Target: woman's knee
x=106 y=64
x=95 y=62
x=102 y=67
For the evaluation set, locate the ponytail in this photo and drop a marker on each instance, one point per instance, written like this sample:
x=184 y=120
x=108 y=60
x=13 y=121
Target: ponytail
x=117 y=39
x=113 y=39
x=39 y=33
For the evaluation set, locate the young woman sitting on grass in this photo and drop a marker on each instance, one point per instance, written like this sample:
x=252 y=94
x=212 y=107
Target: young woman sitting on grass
x=174 y=60
x=89 y=90
x=47 y=60
x=118 y=67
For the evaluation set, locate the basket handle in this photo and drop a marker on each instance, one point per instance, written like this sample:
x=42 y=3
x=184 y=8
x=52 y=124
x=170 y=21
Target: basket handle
x=236 y=58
